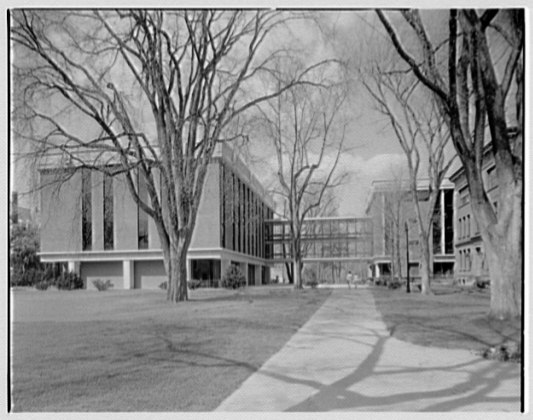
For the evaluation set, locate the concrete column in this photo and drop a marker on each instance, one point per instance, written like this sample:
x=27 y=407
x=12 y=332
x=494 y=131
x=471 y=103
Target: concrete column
x=244 y=270
x=224 y=264
x=128 y=273
x=258 y=275
x=378 y=273
x=74 y=266
x=188 y=268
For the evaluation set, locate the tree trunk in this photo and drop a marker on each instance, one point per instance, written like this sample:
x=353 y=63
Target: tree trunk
x=426 y=269
x=177 y=277
x=505 y=267
x=297 y=272
x=503 y=252
x=397 y=265
x=289 y=270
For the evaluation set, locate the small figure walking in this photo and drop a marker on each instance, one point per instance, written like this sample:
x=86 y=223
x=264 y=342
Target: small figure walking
x=349 y=279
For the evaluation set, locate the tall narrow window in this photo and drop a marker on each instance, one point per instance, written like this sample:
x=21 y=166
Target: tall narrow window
x=86 y=210
x=142 y=217
x=437 y=227
x=223 y=197
x=108 y=212
x=448 y=222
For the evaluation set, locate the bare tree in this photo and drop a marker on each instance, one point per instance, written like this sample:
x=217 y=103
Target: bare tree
x=327 y=207
x=484 y=57
x=151 y=92
x=301 y=126
x=421 y=132
x=394 y=216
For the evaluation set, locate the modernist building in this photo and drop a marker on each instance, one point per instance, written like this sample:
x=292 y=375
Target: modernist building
x=330 y=245
x=390 y=206
x=91 y=224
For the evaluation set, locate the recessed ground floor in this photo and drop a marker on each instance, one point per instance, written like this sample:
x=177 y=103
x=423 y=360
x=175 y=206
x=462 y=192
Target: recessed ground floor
x=146 y=270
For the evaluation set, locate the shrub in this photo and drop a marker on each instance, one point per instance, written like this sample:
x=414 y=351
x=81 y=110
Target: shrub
x=29 y=277
x=42 y=285
x=194 y=284
x=69 y=281
x=233 y=278
x=506 y=352
x=163 y=286
x=394 y=284
x=311 y=283
x=102 y=285
x=25 y=266
x=310 y=276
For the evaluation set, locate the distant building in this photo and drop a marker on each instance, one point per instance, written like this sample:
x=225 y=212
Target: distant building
x=92 y=225
x=390 y=206
x=331 y=246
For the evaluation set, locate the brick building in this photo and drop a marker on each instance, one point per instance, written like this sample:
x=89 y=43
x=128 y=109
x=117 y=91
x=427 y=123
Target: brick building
x=469 y=255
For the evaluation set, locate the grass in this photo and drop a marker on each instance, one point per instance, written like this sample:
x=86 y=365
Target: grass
x=133 y=351
x=451 y=318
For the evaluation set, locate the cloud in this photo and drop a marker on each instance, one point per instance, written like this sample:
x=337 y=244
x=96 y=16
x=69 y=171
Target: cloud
x=353 y=195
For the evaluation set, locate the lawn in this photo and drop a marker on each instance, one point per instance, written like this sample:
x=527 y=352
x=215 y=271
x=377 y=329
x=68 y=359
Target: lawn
x=451 y=318
x=133 y=351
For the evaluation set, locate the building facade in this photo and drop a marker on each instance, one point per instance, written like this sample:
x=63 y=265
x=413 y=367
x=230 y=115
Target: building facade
x=469 y=254
x=331 y=246
x=91 y=224
x=391 y=208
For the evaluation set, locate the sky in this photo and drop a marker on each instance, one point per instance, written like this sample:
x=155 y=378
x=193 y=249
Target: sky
x=372 y=151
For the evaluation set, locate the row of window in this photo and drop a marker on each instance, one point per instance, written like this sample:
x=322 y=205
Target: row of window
x=464 y=227
x=326 y=249
x=86 y=211
x=242 y=215
x=466 y=262
x=327 y=238
x=108 y=212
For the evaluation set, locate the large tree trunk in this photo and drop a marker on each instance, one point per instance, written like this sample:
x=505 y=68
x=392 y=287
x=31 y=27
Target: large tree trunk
x=505 y=268
x=503 y=252
x=177 y=277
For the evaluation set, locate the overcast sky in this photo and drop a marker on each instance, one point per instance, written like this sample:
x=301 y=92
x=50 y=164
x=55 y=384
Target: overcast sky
x=372 y=152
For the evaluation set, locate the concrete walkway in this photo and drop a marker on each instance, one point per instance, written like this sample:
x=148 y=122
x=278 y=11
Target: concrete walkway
x=343 y=359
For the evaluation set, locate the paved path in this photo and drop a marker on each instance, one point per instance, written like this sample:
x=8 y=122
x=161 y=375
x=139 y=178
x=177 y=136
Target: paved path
x=343 y=359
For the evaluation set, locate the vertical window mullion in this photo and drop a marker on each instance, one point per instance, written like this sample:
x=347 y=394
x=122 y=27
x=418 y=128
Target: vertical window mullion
x=108 y=212
x=86 y=210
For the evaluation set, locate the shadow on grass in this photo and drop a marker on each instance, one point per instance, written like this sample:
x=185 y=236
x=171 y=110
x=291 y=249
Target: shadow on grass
x=452 y=384
x=476 y=389
x=448 y=320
